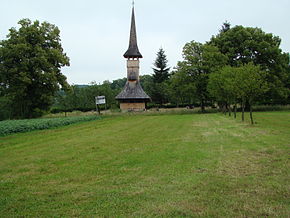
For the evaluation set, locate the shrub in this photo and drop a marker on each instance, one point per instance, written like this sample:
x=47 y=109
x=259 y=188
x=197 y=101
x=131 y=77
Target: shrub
x=8 y=127
x=271 y=107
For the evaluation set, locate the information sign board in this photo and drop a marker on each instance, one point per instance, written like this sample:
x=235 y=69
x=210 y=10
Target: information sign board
x=100 y=100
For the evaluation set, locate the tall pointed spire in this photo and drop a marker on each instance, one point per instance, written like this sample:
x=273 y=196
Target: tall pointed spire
x=133 y=97
x=133 y=51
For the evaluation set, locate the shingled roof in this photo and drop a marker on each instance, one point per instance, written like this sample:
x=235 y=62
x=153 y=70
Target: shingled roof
x=133 y=90
x=133 y=51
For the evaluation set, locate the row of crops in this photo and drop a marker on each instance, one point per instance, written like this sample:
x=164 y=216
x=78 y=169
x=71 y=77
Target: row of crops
x=8 y=127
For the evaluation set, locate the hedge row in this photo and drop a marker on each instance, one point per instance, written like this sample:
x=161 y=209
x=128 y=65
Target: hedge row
x=8 y=127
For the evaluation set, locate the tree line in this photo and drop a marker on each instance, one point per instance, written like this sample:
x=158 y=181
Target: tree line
x=235 y=69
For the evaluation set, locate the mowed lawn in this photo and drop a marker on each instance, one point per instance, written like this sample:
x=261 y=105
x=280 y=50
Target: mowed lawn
x=191 y=165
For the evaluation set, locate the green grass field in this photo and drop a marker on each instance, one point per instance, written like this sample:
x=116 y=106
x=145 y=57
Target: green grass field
x=205 y=165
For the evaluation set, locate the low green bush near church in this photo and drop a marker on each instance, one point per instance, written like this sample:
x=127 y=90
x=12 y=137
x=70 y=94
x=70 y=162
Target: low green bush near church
x=8 y=127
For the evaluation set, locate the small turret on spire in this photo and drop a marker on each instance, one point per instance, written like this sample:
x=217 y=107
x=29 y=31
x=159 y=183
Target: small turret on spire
x=133 y=51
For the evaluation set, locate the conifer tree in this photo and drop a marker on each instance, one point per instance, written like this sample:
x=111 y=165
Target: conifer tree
x=161 y=70
x=159 y=90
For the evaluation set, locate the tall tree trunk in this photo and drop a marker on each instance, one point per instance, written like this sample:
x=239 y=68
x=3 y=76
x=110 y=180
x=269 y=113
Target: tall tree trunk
x=251 y=114
x=235 y=110
x=230 y=110
x=243 y=111
x=226 y=108
x=202 y=105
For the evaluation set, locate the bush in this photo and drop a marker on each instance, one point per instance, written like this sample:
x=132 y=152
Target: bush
x=271 y=107
x=8 y=127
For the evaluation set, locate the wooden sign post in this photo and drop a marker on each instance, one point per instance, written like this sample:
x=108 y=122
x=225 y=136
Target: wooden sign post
x=100 y=100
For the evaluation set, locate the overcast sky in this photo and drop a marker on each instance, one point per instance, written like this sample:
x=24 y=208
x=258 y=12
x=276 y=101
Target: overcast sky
x=95 y=33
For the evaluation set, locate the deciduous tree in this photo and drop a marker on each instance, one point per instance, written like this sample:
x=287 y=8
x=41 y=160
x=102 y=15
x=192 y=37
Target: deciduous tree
x=243 y=45
x=244 y=84
x=251 y=84
x=199 y=61
x=222 y=87
x=30 y=67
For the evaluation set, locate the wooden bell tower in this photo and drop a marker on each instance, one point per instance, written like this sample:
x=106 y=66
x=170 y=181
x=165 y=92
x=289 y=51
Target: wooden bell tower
x=133 y=97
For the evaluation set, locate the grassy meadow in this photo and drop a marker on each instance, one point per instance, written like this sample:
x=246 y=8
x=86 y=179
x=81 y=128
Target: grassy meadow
x=153 y=165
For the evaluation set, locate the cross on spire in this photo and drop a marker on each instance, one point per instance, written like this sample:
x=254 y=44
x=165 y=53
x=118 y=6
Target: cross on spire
x=133 y=3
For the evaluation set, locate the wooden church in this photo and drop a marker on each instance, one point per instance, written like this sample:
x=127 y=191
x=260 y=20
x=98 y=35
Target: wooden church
x=133 y=97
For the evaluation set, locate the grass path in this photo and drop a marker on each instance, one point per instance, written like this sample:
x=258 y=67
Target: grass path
x=170 y=165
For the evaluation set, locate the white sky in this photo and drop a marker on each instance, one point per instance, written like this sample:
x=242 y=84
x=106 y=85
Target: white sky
x=95 y=33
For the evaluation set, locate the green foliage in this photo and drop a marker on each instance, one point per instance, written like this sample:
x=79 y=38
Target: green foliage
x=5 y=111
x=250 y=82
x=161 y=70
x=83 y=98
x=271 y=108
x=146 y=83
x=118 y=84
x=8 y=127
x=158 y=91
x=222 y=85
x=243 y=45
x=182 y=88
x=244 y=84
x=199 y=61
x=30 y=62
